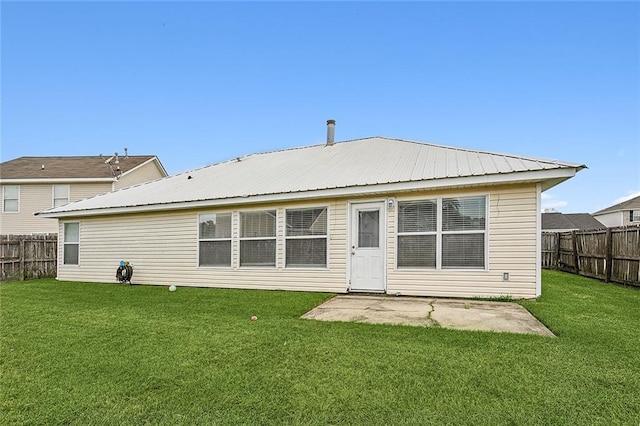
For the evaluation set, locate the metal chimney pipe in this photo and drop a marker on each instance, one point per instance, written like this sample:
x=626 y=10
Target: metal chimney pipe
x=331 y=130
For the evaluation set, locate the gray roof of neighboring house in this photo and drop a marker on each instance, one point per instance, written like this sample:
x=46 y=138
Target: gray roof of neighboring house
x=632 y=204
x=81 y=167
x=361 y=166
x=559 y=221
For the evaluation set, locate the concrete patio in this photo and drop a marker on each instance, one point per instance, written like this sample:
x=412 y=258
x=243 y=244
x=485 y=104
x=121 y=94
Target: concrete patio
x=448 y=313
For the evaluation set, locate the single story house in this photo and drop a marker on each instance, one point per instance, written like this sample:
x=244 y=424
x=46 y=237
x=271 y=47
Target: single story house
x=621 y=214
x=567 y=222
x=374 y=215
x=32 y=184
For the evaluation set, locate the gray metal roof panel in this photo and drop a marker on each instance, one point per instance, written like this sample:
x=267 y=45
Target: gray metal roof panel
x=355 y=163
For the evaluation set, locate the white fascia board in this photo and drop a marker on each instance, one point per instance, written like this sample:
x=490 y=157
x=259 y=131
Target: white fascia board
x=150 y=160
x=57 y=180
x=506 y=178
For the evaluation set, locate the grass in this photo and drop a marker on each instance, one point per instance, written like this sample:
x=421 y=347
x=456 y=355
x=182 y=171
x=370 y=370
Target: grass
x=83 y=354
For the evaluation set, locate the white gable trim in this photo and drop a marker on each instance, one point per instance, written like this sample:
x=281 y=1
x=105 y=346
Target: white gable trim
x=150 y=160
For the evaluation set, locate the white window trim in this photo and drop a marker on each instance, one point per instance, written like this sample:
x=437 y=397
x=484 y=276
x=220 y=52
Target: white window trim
x=53 y=194
x=199 y=240
x=439 y=233
x=306 y=237
x=240 y=239
x=635 y=216
x=3 y=199
x=64 y=243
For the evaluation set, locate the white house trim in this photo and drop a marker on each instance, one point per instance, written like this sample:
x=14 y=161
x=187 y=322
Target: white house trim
x=538 y=240
x=511 y=178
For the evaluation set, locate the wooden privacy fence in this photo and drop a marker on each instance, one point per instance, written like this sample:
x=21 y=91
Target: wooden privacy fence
x=610 y=255
x=26 y=257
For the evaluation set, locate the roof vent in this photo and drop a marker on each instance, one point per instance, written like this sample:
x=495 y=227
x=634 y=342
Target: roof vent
x=331 y=130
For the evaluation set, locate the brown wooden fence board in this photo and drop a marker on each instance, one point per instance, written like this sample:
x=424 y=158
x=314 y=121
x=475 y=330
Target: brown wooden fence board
x=24 y=257
x=610 y=255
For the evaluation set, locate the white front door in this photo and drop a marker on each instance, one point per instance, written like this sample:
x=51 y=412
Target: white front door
x=367 y=245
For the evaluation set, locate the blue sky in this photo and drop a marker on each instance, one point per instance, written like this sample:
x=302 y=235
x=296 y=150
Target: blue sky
x=201 y=82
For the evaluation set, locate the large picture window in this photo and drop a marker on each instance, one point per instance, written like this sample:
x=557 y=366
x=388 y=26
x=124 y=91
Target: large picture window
x=71 y=249
x=10 y=198
x=258 y=238
x=214 y=239
x=306 y=237
x=60 y=195
x=442 y=233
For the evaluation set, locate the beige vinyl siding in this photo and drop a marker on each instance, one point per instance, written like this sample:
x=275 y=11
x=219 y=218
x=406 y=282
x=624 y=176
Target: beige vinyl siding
x=163 y=248
x=511 y=234
x=611 y=219
x=80 y=191
x=144 y=173
x=33 y=198
x=36 y=197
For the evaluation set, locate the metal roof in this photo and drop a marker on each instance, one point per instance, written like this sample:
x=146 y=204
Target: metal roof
x=78 y=167
x=350 y=167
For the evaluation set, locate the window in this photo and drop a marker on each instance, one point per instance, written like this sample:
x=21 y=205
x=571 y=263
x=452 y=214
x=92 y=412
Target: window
x=214 y=239
x=71 y=243
x=463 y=232
x=258 y=238
x=306 y=237
x=634 y=215
x=10 y=198
x=60 y=195
x=442 y=233
x=369 y=229
x=417 y=234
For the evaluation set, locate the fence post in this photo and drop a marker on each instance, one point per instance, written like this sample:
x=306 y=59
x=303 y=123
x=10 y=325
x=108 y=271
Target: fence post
x=576 y=260
x=608 y=250
x=21 y=252
x=556 y=265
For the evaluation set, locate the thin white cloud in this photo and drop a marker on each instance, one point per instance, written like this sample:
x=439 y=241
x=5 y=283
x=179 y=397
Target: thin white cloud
x=630 y=195
x=549 y=202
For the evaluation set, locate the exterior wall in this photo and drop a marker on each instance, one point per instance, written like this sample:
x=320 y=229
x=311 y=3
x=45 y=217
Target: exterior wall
x=512 y=248
x=163 y=247
x=38 y=197
x=81 y=191
x=626 y=218
x=144 y=173
x=612 y=219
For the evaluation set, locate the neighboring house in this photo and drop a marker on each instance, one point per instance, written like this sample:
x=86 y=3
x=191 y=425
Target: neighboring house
x=372 y=215
x=32 y=184
x=621 y=214
x=561 y=222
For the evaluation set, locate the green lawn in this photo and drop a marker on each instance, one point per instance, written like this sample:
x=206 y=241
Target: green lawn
x=77 y=353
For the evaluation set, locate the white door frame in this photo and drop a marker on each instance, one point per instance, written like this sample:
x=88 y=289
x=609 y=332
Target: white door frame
x=352 y=207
